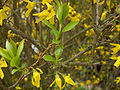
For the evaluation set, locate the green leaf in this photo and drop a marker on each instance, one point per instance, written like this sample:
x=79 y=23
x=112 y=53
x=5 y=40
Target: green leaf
x=14 y=45
x=14 y=71
x=10 y=49
x=49 y=24
x=5 y=54
x=48 y=58
x=23 y=65
x=58 y=51
x=119 y=10
x=25 y=71
x=59 y=11
x=59 y=59
x=54 y=33
x=15 y=61
x=70 y=26
x=20 y=48
x=55 y=41
x=65 y=12
x=58 y=36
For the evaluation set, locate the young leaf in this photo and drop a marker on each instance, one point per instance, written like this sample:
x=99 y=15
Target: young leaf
x=25 y=71
x=49 y=24
x=54 y=33
x=10 y=49
x=13 y=44
x=5 y=54
x=15 y=61
x=20 y=48
x=119 y=10
x=65 y=12
x=48 y=58
x=59 y=59
x=59 y=11
x=70 y=26
x=58 y=51
x=58 y=36
x=55 y=41
x=14 y=71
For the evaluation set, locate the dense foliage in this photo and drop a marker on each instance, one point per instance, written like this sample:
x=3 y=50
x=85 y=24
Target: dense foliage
x=59 y=44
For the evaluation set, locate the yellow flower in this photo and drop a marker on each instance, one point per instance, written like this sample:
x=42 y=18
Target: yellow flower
x=116 y=48
x=58 y=81
x=78 y=67
x=44 y=1
x=3 y=14
x=69 y=80
x=103 y=15
x=117 y=63
x=96 y=81
x=88 y=82
x=36 y=77
x=100 y=3
x=117 y=80
x=113 y=57
x=103 y=62
x=29 y=6
x=2 y=64
x=73 y=15
x=76 y=17
x=46 y=14
x=82 y=84
x=18 y=87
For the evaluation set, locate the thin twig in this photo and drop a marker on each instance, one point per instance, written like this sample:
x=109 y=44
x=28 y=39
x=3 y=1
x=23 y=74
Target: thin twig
x=23 y=35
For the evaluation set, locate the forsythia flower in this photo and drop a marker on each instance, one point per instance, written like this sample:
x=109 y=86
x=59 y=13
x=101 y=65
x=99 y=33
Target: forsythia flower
x=103 y=15
x=113 y=57
x=46 y=14
x=73 y=15
x=88 y=82
x=116 y=48
x=58 y=81
x=117 y=63
x=117 y=80
x=30 y=7
x=36 y=77
x=44 y=1
x=2 y=64
x=3 y=14
x=69 y=80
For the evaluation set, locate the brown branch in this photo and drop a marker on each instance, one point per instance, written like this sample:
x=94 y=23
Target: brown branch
x=23 y=35
x=24 y=76
x=74 y=36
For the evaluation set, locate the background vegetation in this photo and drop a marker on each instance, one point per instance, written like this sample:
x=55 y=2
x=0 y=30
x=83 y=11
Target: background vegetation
x=87 y=50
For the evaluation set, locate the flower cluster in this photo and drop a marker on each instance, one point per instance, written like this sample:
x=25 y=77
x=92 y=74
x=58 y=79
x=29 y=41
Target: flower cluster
x=2 y=64
x=3 y=14
x=59 y=81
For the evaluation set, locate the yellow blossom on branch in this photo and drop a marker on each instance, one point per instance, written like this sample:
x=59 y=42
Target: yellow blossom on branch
x=2 y=64
x=73 y=15
x=117 y=80
x=117 y=63
x=36 y=77
x=3 y=14
x=29 y=6
x=46 y=14
x=44 y=1
x=69 y=80
x=114 y=57
x=58 y=81
x=116 y=48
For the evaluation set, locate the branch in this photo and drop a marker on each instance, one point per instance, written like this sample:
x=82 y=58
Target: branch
x=77 y=34
x=24 y=76
x=23 y=35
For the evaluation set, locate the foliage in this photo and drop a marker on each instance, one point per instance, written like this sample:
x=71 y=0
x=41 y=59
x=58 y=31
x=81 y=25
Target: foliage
x=59 y=44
